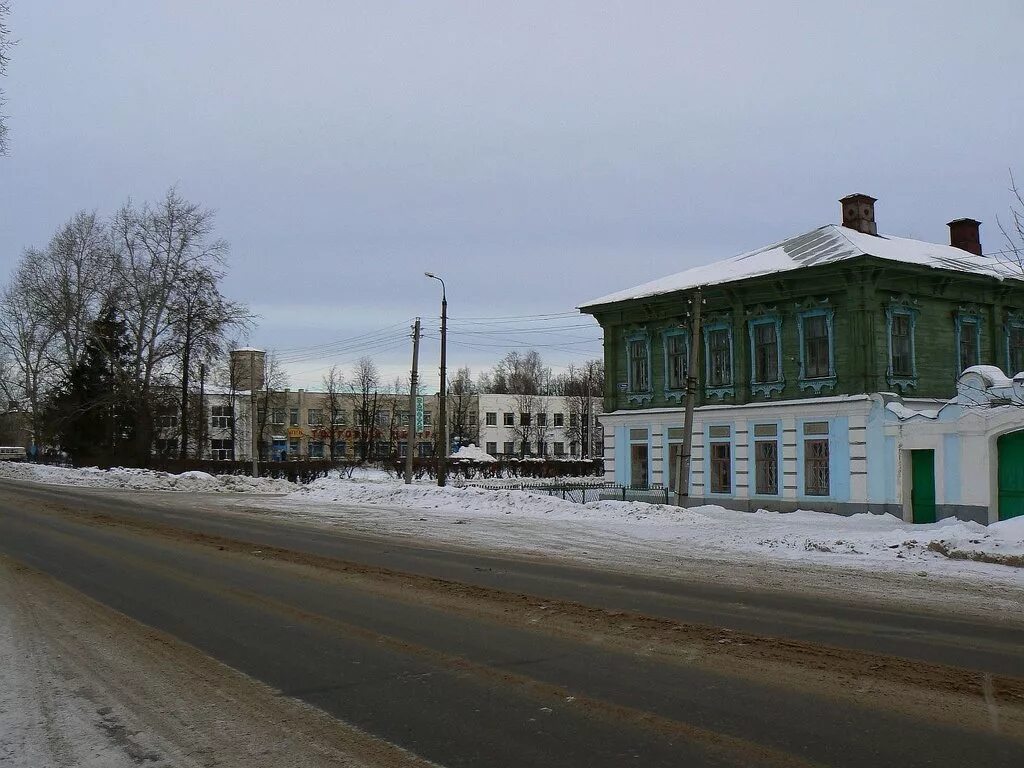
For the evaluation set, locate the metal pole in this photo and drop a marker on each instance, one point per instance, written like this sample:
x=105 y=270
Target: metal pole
x=442 y=460
x=252 y=415
x=442 y=467
x=413 y=380
x=201 y=447
x=683 y=462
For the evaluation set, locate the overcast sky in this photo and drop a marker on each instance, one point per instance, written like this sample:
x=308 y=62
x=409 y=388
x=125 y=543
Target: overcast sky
x=534 y=154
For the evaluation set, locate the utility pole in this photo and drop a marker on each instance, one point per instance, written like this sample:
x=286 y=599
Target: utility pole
x=683 y=462
x=442 y=468
x=442 y=462
x=202 y=411
x=413 y=381
x=252 y=414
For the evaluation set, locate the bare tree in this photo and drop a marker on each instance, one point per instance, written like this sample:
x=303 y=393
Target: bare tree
x=517 y=374
x=365 y=385
x=200 y=318
x=271 y=398
x=27 y=335
x=1013 y=230
x=462 y=399
x=157 y=248
x=73 y=278
x=334 y=399
x=5 y=46
x=523 y=427
x=582 y=388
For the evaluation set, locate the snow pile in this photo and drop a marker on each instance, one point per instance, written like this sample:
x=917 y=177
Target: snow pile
x=142 y=479
x=512 y=519
x=472 y=453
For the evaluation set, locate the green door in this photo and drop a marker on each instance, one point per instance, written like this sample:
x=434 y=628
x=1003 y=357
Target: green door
x=1011 y=475
x=922 y=492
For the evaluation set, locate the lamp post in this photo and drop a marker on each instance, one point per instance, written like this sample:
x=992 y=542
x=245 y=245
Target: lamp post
x=443 y=459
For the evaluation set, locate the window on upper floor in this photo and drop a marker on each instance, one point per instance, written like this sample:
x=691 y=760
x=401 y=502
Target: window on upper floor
x=559 y=420
x=221 y=416
x=542 y=419
x=508 y=419
x=968 y=341
x=314 y=417
x=293 y=417
x=491 y=419
x=277 y=416
x=676 y=361
x=901 y=345
x=817 y=352
x=639 y=366
x=766 y=352
x=719 y=357
x=1015 y=348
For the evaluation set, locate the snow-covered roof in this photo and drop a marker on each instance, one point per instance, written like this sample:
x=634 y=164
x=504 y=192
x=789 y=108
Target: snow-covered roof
x=825 y=245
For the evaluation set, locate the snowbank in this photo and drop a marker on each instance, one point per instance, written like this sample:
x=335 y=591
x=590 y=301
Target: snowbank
x=538 y=522
x=472 y=453
x=142 y=479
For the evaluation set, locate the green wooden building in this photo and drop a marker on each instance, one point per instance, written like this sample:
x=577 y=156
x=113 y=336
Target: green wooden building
x=800 y=342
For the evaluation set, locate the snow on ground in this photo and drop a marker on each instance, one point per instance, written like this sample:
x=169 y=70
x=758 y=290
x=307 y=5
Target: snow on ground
x=622 y=531
x=141 y=479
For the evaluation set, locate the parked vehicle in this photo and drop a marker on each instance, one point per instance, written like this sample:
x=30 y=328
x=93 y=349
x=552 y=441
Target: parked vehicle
x=12 y=453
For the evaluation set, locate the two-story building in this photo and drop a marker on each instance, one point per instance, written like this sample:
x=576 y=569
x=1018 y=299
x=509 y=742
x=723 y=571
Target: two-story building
x=808 y=351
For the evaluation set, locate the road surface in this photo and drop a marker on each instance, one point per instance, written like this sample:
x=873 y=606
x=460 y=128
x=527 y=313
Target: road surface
x=467 y=659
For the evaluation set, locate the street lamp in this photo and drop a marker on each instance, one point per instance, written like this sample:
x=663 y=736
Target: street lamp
x=443 y=459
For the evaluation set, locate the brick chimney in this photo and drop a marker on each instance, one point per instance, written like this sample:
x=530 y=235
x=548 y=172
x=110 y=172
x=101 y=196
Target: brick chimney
x=859 y=213
x=965 y=235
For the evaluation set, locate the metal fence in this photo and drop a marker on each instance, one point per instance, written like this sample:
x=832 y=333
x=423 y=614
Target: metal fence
x=583 y=493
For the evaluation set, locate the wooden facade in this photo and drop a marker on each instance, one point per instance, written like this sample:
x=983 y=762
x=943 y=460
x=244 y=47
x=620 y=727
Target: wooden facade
x=939 y=316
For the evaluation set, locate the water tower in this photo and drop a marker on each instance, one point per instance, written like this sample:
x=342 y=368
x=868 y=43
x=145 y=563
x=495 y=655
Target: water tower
x=248 y=373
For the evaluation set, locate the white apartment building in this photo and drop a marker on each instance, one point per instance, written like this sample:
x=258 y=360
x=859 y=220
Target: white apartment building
x=539 y=425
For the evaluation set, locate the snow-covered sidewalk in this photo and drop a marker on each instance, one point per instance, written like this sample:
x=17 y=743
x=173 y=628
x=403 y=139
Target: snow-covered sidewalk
x=633 y=535
x=141 y=479
x=626 y=532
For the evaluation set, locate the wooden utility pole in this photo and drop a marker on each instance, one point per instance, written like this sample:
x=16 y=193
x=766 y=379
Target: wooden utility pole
x=683 y=462
x=413 y=381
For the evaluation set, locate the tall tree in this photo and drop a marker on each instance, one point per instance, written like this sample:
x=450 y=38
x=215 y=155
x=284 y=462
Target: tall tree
x=462 y=399
x=90 y=417
x=518 y=374
x=1013 y=229
x=26 y=334
x=334 y=400
x=5 y=46
x=158 y=248
x=365 y=384
x=582 y=387
x=200 y=318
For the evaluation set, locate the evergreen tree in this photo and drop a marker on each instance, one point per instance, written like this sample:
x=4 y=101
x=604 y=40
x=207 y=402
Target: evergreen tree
x=91 y=414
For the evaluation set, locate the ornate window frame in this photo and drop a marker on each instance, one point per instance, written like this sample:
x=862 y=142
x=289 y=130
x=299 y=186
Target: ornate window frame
x=725 y=390
x=817 y=309
x=672 y=392
x=766 y=388
x=901 y=305
x=969 y=313
x=632 y=395
x=1013 y=320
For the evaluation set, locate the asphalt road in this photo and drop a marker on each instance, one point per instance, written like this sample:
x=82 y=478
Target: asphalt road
x=464 y=690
